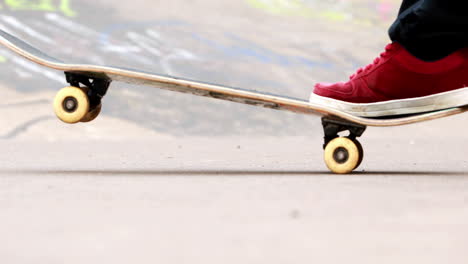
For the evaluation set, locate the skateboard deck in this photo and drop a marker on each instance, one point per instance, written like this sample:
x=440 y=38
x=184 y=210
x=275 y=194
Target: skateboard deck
x=89 y=83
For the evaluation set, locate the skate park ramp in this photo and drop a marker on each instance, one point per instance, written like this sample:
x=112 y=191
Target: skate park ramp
x=281 y=47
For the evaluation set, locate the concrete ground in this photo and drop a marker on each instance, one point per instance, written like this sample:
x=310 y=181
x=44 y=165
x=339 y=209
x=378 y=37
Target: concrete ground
x=167 y=178
x=236 y=199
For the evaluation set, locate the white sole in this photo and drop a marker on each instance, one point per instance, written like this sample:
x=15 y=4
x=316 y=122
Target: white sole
x=429 y=103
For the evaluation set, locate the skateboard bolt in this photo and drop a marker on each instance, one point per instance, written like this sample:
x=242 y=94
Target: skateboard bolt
x=341 y=155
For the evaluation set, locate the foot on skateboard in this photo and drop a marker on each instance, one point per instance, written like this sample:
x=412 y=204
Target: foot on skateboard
x=397 y=83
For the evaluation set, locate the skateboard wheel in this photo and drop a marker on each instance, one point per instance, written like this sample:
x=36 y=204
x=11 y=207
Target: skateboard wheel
x=342 y=155
x=92 y=114
x=71 y=104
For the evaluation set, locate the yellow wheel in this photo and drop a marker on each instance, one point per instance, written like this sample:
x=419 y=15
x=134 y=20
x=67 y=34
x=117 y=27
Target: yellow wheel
x=71 y=104
x=342 y=155
x=92 y=114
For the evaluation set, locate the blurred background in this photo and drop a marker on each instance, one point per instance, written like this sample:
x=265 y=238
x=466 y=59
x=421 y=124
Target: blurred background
x=278 y=46
x=174 y=178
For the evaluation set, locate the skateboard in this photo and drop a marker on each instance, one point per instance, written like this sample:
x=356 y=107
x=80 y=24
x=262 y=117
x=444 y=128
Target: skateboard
x=81 y=101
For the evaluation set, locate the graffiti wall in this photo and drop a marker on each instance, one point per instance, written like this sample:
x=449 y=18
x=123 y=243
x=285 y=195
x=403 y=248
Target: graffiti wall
x=163 y=46
x=356 y=11
x=61 y=6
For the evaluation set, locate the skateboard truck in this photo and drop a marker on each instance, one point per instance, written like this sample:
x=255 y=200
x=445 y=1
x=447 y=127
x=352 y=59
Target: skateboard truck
x=331 y=128
x=97 y=87
x=342 y=154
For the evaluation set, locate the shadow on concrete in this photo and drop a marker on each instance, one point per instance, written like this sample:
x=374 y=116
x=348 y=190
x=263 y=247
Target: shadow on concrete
x=190 y=172
x=412 y=173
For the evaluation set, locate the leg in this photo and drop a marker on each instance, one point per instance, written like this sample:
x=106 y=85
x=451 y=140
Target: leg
x=431 y=29
x=406 y=4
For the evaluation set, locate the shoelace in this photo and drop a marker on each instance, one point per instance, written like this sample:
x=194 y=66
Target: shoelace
x=382 y=55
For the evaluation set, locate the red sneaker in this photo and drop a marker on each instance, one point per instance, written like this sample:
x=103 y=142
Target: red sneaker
x=398 y=83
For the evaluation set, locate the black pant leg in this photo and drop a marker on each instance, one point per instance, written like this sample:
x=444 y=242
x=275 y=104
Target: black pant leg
x=406 y=4
x=431 y=29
